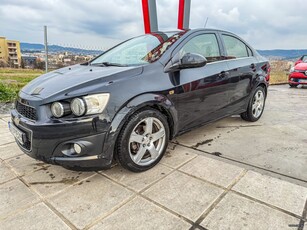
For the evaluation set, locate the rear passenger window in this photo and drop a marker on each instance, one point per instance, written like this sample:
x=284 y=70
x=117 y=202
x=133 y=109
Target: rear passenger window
x=205 y=45
x=234 y=47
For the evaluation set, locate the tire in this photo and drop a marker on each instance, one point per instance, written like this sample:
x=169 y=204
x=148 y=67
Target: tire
x=143 y=140
x=293 y=86
x=255 y=106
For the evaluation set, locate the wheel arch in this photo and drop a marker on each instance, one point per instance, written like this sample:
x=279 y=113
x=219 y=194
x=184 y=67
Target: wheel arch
x=152 y=101
x=264 y=86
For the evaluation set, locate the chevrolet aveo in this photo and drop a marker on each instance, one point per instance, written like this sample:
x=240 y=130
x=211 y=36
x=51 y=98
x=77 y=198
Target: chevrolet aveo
x=129 y=102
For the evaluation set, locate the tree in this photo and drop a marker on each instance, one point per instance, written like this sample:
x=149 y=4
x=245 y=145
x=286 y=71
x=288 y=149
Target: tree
x=22 y=63
x=3 y=64
x=39 y=64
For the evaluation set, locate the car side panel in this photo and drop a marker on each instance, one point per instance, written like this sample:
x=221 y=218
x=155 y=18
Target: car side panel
x=242 y=71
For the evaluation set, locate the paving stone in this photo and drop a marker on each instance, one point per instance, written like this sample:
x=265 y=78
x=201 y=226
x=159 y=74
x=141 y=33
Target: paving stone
x=9 y=150
x=4 y=129
x=5 y=173
x=82 y=204
x=24 y=164
x=5 y=118
x=282 y=194
x=137 y=181
x=36 y=217
x=141 y=214
x=184 y=194
x=206 y=135
x=235 y=212
x=6 y=138
x=49 y=180
x=15 y=195
x=215 y=171
x=177 y=155
x=265 y=150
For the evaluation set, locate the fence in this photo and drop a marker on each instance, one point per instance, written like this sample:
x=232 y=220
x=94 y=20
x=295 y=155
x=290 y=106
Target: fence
x=59 y=55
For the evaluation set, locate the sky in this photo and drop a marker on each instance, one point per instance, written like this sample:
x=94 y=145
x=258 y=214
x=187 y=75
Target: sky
x=100 y=24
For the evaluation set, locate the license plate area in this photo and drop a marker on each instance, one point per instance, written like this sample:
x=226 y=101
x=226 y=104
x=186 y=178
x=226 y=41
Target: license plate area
x=19 y=135
x=303 y=81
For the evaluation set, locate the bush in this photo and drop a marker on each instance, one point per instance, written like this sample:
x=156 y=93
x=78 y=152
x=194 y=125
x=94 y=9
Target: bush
x=8 y=93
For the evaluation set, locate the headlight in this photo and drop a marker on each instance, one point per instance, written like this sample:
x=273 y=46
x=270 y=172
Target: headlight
x=96 y=103
x=91 y=104
x=78 y=107
x=59 y=109
x=292 y=69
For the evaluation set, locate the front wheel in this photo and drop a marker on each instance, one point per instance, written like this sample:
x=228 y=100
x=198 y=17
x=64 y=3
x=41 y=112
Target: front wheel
x=143 y=140
x=293 y=85
x=255 y=106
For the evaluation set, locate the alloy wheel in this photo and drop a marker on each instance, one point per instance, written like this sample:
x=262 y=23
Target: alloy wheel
x=147 y=141
x=258 y=104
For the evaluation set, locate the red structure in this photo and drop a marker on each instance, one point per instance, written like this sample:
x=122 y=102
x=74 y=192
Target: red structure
x=150 y=16
x=151 y=20
x=184 y=14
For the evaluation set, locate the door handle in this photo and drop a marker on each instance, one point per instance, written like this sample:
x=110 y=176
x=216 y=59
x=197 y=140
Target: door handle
x=223 y=74
x=252 y=66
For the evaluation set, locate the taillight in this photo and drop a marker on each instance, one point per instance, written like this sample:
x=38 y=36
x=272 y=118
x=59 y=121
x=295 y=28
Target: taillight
x=266 y=69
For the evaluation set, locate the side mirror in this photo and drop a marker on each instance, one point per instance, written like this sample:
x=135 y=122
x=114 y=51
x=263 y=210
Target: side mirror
x=188 y=60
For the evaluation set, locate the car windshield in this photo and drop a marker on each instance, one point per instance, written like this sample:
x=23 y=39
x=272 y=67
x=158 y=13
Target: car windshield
x=139 y=50
x=304 y=59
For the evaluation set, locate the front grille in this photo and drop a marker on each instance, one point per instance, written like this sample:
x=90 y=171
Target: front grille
x=25 y=110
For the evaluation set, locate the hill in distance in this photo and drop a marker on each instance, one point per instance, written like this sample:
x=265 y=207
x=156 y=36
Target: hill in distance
x=31 y=47
x=283 y=54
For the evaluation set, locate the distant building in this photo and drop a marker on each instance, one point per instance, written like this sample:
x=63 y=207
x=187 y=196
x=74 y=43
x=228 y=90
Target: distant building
x=10 y=52
x=28 y=61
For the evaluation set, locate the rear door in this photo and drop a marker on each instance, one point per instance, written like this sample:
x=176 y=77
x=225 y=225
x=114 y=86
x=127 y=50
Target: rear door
x=242 y=69
x=201 y=93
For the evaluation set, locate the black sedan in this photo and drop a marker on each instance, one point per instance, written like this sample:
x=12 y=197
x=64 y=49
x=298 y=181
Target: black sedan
x=129 y=102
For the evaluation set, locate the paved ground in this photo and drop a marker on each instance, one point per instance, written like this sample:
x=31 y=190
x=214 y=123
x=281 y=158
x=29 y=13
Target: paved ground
x=222 y=176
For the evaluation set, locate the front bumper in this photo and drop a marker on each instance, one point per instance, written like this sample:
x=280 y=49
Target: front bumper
x=298 y=78
x=53 y=141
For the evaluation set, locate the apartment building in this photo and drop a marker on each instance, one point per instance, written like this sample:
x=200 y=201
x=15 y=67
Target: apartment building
x=10 y=52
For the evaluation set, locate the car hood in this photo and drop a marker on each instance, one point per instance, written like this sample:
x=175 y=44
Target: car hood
x=301 y=66
x=77 y=79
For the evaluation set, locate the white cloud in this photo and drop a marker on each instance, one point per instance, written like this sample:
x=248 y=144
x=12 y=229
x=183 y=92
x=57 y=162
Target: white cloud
x=102 y=23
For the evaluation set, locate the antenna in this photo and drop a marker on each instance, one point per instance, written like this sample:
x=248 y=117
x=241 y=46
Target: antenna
x=206 y=22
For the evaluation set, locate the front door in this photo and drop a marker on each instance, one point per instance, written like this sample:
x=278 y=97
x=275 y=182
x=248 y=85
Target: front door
x=202 y=93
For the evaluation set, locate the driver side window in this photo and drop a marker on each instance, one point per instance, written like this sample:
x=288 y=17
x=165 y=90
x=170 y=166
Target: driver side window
x=205 y=45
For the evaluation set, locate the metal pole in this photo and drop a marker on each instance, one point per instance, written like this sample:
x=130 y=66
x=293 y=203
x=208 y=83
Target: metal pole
x=46 y=48
x=184 y=14
x=150 y=16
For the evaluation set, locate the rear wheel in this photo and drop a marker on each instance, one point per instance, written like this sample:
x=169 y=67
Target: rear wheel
x=143 y=140
x=255 y=106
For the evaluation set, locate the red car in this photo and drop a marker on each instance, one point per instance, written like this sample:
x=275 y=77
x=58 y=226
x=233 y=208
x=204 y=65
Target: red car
x=298 y=74
x=302 y=59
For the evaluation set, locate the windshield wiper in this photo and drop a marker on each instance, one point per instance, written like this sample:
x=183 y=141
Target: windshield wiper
x=109 y=64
